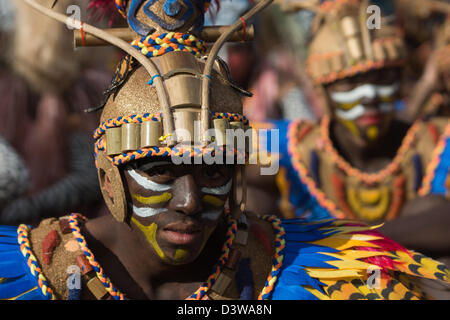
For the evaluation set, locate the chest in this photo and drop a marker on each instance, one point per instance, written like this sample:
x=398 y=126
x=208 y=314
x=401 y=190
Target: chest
x=376 y=193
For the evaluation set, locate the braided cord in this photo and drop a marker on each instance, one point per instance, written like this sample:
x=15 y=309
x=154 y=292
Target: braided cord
x=231 y=233
x=362 y=67
x=277 y=263
x=187 y=152
x=158 y=44
x=140 y=118
x=35 y=269
x=121 y=7
x=369 y=178
x=115 y=293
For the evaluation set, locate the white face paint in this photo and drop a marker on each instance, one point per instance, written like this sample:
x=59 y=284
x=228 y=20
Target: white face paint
x=365 y=91
x=146 y=183
x=212 y=215
x=351 y=114
x=146 y=212
x=218 y=191
x=358 y=110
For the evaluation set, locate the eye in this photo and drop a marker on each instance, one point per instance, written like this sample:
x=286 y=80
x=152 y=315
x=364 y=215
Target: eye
x=215 y=175
x=160 y=174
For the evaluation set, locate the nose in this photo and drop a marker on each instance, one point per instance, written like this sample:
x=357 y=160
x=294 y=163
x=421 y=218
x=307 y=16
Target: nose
x=372 y=103
x=186 y=196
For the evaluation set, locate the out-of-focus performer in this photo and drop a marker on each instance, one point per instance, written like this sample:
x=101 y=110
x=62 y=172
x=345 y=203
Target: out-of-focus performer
x=359 y=161
x=44 y=87
x=426 y=28
x=177 y=231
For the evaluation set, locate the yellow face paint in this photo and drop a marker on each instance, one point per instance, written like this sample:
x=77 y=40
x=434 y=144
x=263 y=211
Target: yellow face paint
x=351 y=126
x=215 y=201
x=166 y=196
x=181 y=255
x=348 y=106
x=372 y=132
x=150 y=234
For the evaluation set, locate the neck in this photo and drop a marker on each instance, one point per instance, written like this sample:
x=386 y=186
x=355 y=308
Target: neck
x=362 y=154
x=131 y=264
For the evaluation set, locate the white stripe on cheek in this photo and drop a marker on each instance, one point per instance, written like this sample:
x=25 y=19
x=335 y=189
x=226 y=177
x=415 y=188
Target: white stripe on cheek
x=352 y=114
x=387 y=91
x=219 y=191
x=146 y=183
x=211 y=215
x=146 y=212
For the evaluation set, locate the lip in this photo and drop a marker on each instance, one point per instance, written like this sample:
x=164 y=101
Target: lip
x=181 y=233
x=369 y=119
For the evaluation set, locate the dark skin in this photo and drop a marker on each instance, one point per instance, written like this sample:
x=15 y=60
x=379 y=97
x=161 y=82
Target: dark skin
x=186 y=243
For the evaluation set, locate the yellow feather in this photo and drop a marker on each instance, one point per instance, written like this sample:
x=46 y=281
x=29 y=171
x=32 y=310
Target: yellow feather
x=348 y=264
x=317 y=293
x=331 y=273
x=342 y=244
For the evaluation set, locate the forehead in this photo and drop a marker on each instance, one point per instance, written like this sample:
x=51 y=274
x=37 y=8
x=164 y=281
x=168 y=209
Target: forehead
x=150 y=163
x=386 y=75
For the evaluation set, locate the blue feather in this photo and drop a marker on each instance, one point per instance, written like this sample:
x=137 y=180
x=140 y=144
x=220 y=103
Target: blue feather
x=309 y=260
x=304 y=237
x=302 y=248
x=35 y=294
x=303 y=228
x=14 y=286
x=8 y=240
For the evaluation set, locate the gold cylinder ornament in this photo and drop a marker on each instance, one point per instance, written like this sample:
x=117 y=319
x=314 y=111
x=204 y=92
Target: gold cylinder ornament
x=220 y=127
x=130 y=137
x=185 y=122
x=113 y=141
x=151 y=131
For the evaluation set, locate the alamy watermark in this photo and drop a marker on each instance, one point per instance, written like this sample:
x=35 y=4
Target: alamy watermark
x=373 y=281
x=253 y=146
x=374 y=20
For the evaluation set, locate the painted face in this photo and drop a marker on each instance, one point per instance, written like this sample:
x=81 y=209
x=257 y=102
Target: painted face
x=365 y=104
x=177 y=207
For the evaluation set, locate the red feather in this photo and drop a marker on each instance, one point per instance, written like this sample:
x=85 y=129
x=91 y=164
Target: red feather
x=101 y=9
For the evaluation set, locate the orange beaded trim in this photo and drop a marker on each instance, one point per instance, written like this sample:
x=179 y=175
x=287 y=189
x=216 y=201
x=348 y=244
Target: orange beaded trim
x=368 y=178
x=361 y=67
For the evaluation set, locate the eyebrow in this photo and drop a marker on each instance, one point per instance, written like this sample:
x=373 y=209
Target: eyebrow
x=151 y=165
x=147 y=183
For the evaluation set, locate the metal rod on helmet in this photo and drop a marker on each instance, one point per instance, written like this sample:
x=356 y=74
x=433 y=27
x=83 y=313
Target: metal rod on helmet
x=146 y=63
x=212 y=58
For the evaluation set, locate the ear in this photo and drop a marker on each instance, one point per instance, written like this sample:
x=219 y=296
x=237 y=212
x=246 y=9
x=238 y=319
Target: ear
x=112 y=188
x=107 y=185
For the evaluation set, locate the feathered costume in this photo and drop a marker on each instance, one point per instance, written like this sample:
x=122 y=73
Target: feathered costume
x=329 y=259
x=263 y=257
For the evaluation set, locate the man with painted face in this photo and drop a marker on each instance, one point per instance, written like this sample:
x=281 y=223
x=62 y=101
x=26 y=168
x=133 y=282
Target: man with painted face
x=359 y=161
x=175 y=230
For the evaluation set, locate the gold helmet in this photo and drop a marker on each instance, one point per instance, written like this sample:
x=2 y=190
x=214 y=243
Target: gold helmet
x=167 y=98
x=350 y=37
